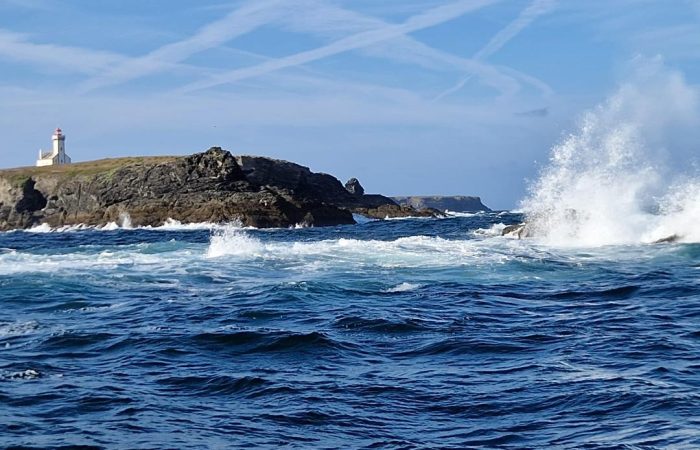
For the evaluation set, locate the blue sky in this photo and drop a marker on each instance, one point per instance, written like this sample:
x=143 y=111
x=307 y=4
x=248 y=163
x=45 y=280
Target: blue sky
x=409 y=96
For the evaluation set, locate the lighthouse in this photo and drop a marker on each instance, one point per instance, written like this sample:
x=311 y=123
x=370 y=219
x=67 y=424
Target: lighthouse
x=57 y=155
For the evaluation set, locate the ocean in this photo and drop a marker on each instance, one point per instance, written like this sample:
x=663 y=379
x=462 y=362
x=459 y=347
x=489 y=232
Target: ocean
x=396 y=334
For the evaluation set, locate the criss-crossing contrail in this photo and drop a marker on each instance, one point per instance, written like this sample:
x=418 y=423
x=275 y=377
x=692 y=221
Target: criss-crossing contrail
x=421 y=21
x=16 y=47
x=239 y=22
x=526 y=17
x=327 y=20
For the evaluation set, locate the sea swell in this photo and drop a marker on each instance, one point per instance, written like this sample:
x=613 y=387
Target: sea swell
x=388 y=334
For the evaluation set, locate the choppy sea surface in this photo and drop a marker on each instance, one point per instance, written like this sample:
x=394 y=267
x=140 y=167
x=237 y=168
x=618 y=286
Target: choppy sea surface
x=419 y=333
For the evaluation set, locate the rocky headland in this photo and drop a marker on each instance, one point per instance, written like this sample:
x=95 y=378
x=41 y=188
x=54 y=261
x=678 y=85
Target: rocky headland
x=458 y=203
x=213 y=186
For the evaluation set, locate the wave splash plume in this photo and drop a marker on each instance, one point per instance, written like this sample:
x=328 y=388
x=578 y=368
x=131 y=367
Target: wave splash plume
x=232 y=241
x=611 y=181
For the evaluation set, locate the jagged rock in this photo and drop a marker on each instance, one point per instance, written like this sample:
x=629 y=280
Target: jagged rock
x=213 y=186
x=518 y=230
x=293 y=178
x=667 y=240
x=31 y=200
x=302 y=182
x=354 y=187
x=394 y=211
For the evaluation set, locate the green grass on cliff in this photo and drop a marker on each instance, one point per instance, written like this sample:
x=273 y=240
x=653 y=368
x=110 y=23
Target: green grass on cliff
x=90 y=168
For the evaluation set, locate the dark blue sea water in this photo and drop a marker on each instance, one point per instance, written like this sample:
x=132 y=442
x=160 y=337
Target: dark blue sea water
x=392 y=334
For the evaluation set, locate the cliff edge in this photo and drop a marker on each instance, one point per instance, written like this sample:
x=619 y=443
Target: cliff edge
x=213 y=186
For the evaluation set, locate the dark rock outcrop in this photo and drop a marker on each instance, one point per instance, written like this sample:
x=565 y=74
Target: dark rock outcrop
x=31 y=199
x=444 y=203
x=672 y=239
x=213 y=186
x=306 y=184
x=520 y=230
x=354 y=187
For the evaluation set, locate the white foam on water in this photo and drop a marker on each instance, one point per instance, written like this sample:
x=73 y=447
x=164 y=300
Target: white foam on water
x=413 y=251
x=494 y=230
x=176 y=225
x=460 y=214
x=606 y=183
x=407 y=218
x=361 y=219
x=18 y=328
x=125 y=223
x=111 y=226
x=232 y=241
x=403 y=287
x=29 y=374
x=46 y=228
x=232 y=249
x=43 y=228
x=90 y=260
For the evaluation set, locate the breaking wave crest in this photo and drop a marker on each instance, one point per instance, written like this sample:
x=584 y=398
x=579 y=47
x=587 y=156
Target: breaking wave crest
x=406 y=251
x=610 y=182
x=126 y=224
x=232 y=241
x=403 y=287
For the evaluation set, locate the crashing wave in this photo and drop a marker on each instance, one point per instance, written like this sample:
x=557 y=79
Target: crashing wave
x=605 y=184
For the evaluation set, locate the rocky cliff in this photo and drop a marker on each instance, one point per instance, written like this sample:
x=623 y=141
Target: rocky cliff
x=443 y=203
x=213 y=186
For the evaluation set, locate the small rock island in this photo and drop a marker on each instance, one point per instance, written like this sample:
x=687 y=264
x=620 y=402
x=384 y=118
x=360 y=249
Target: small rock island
x=213 y=186
x=457 y=203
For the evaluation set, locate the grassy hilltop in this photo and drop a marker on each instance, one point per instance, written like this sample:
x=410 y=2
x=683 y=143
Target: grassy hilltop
x=87 y=168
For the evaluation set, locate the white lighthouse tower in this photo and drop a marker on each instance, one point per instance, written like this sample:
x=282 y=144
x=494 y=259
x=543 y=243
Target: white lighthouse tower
x=57 y=155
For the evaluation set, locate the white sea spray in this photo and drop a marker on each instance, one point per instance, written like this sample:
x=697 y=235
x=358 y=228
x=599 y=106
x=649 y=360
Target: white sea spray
x=232 y=241
x=608 y=183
